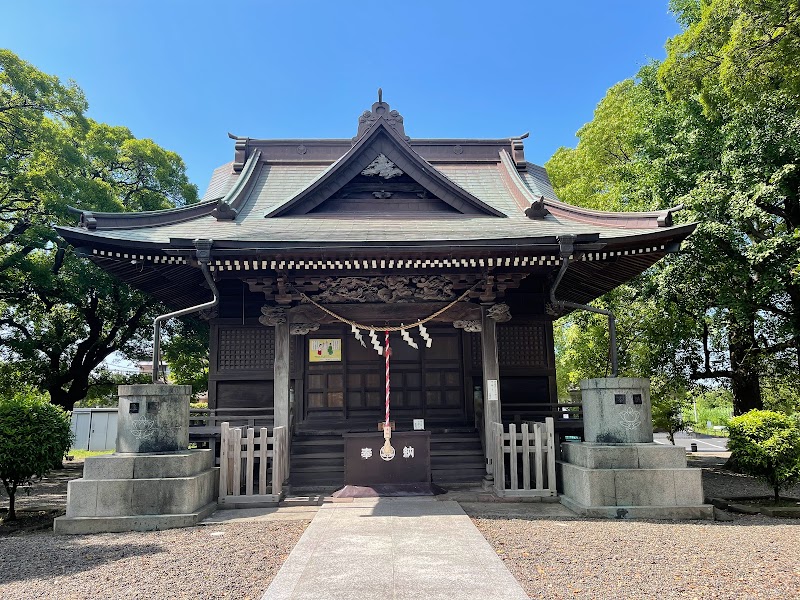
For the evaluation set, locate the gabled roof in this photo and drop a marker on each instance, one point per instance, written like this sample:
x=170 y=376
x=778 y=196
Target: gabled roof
x=493 y=206
x=382 y=140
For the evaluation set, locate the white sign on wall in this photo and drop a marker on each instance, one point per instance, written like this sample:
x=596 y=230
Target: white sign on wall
x=419 y=424
x=491 y=390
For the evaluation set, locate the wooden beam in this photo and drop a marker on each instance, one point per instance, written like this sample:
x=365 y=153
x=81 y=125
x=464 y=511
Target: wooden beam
x=281 y=375
x=491 y=382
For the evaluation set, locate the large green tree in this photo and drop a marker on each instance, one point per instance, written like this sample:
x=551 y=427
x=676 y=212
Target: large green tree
x=739 y=58
x=728 y=150
x=60 y=316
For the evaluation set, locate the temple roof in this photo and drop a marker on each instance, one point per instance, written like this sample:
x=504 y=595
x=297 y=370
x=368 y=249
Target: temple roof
x=378 y=190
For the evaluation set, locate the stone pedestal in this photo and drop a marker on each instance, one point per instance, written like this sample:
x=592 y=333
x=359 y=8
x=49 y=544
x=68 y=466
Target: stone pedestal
x=616 y=410
x=153 y=418
x=155 y=482
x=618 y=472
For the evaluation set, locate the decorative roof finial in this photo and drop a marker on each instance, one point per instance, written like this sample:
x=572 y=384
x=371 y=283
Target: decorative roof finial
x=380 y=109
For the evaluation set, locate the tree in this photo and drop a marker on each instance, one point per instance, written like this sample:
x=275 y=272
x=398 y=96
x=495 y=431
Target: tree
x=185 y=350
x=34 y=435
x=668 y=412
x=766 y=445
x=698 y=130
x=733 y=50
x=740 y=58
x=60 y=316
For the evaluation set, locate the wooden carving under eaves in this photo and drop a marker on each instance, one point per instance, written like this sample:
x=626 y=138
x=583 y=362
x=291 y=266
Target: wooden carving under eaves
x=389 y=289
x=470 y=326
x=272 y=315
x=302 y=328
x=499 y=313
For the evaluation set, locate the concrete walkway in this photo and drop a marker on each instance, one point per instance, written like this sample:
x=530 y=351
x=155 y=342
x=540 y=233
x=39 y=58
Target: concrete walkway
x=393 y=548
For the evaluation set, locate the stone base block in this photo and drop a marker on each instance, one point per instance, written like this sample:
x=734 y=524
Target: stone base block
x=128 y=497
x=638 y=481
x=699 y=512
x=85 y=525
x=632 y=487
x=139 y=492
x=148 y=466
x=258 y=501
x=624 y=456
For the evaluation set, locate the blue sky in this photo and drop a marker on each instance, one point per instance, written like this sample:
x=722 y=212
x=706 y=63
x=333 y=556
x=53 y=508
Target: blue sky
x=184 y=73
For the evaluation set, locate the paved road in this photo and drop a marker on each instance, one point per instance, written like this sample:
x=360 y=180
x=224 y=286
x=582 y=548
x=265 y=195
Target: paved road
x=705 y=443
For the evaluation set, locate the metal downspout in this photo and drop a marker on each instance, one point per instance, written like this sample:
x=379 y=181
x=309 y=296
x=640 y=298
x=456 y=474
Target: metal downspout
x=204 y=258
x=567 y=247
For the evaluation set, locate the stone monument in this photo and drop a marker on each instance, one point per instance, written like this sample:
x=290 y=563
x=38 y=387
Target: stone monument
x=618 y=471
x=152 y=481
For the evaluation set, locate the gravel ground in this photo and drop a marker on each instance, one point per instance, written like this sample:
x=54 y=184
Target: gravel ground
x=749 y=558
x=236 y=560
x=719 y=483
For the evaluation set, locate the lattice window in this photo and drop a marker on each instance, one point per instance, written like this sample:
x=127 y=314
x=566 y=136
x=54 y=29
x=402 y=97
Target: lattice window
x=522 y=345
x=246 y=349
x=518 y=345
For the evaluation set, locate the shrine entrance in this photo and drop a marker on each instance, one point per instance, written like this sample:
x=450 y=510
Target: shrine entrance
x=345 y=384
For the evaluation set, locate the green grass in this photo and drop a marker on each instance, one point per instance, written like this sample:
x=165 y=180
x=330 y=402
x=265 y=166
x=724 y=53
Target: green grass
x=79 y=454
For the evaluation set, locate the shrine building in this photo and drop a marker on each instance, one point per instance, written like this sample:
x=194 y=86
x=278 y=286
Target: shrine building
x=314 y=248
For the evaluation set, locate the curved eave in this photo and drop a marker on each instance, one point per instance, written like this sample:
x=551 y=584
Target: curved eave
x=83 y=237
x=623 y=220
x=585 y=281
x=334 y=178
x=228 y=206
x=92 y=220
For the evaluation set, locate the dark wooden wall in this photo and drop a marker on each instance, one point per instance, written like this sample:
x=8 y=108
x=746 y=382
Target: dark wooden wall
x=242 y=353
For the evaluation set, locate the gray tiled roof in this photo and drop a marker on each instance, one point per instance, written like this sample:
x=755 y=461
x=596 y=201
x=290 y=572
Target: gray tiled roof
x=497 y=184
x=222 y=179
x=538 y=181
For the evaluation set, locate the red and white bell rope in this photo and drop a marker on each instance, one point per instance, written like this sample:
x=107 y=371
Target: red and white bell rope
x=387 y=352
x=387 y=452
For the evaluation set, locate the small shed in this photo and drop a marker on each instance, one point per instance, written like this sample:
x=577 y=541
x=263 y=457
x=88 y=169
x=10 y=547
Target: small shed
x=94 y=428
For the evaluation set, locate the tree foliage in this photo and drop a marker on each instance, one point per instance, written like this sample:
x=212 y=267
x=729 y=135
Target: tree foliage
x=34 y=435
x=734 y=50
x=60 y=316
x=185 y=350
x=703 y=131
x=766 y=444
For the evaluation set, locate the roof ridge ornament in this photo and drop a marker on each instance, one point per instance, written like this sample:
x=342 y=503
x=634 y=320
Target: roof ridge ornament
x=381 y=109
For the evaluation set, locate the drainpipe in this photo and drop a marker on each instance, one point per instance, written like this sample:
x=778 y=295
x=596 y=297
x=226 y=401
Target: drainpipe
x=203 y=258
x=567 y=247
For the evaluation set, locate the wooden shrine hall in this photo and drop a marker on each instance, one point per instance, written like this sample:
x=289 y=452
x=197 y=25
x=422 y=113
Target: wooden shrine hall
x=315 y=247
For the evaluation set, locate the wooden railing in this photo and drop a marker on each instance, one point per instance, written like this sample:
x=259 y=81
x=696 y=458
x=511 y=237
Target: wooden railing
x=245 y=460
x=524 y=460
x=205 y=424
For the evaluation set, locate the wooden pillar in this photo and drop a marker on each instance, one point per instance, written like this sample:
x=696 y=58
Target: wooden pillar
x=491 y=383
x=281 y=377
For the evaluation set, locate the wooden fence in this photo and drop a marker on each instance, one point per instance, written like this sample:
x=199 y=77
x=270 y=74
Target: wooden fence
x=525 y=460
x=244 y=460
